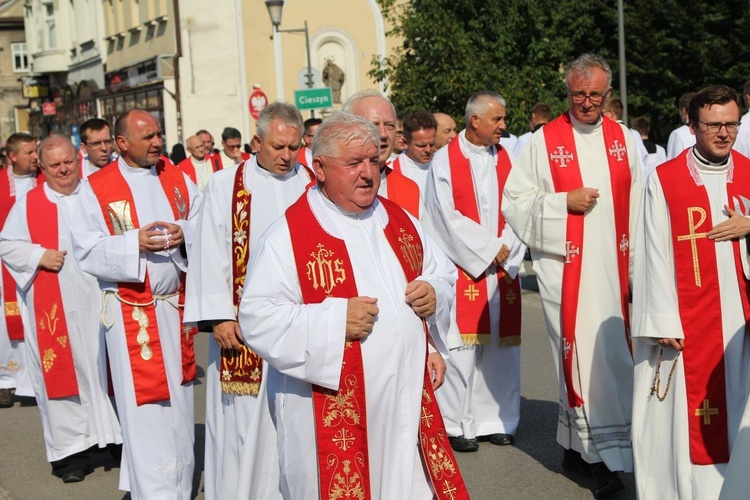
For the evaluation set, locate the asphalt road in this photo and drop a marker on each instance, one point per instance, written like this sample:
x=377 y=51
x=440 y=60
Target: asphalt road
x=529 y=470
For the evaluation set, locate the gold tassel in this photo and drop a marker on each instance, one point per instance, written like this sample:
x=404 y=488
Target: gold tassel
x=476 y=338
x=241 y=388
x=512 y=341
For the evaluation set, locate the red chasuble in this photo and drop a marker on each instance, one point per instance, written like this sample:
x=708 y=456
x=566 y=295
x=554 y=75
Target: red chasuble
x=12 y=311
x=188 y=168
x=402 y=191
x=340 y=416
x=566 y=175
x=55 y=355
x=302 y=157
x=697 y=280
x=136 y=299
x=472 y=301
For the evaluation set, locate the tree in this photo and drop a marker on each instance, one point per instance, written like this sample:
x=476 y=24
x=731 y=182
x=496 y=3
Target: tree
x=453 y=48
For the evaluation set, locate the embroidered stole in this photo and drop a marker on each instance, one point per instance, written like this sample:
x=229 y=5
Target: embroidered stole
x=340 y=416
x=55 y=353
x=472 y=301
x=402 y=190
x=241 y=371
x=696 y=274
x=141 y=329
x=566 y=176
x=12 y=311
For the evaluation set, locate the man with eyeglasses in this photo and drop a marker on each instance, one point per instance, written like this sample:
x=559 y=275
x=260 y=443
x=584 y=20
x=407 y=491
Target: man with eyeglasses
x=574 y=199
x=97 y=145
x=690 y=309
x=231 y=142
x=304 y=157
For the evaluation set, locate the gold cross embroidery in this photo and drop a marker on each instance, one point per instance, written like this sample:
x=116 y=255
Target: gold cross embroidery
x=471 y=293
x=510 y=296
x=692 y=237
x=706 y=411
x=449 y=490
x=343 y=439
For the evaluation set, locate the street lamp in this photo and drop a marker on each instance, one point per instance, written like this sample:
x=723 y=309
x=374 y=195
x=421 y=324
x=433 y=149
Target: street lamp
x=274 y=11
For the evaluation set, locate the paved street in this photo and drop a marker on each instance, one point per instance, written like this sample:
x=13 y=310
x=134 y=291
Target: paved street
x=529 y=470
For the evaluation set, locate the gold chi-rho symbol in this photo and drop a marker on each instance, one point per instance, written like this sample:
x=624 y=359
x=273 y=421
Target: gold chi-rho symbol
x=692 y=237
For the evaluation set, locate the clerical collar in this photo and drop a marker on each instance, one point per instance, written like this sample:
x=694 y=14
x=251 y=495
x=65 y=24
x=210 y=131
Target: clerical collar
x=706 y=163
x=416 y=164
x=264 y=171
x=470 y=147
x=538 y=126
x=585 y=128
x=58 y=195
x=26 y=176
x=337 y=209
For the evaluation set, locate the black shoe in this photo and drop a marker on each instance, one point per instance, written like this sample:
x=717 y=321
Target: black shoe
x=607 y=482
x=6 y=398
x=499 y=439
x=73 y=476
x=573 y=462
x=462 y=444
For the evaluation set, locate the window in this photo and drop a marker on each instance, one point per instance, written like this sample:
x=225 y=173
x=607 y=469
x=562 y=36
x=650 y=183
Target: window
x=49 y=22
x=20 y=56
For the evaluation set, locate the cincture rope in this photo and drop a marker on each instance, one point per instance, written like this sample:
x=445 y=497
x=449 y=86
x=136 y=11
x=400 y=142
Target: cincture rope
x=107 y=296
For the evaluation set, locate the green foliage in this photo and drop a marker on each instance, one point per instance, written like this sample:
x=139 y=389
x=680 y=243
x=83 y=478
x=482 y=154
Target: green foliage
x=453 y=48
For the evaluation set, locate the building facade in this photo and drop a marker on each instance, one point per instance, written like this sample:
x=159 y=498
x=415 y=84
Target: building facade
x=14 y=65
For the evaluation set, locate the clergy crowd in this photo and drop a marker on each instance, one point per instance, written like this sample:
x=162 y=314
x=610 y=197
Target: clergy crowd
x=357 y=280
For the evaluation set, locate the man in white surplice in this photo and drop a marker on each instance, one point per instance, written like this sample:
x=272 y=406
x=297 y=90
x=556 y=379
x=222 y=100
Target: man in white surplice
x=239 y=431
x=304 y=343
x=667 y=454
x=595 y=377
x=158 y=458
x=482 y=394
x=681 y=138
x=71 y=424
x=420 y=129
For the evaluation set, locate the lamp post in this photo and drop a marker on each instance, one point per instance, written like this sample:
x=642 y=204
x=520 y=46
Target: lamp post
x=274 y=11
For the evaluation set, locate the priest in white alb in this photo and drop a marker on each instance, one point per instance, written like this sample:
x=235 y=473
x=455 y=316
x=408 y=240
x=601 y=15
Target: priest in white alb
x=481 y=398
x=420 y=129
x=573 y=197
x=238 y=206
x=691 y=306
x=60 y=307
x=344 y=297
x=132 y=226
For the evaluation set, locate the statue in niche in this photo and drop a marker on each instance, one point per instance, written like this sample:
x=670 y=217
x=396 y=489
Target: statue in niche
x=334 y=77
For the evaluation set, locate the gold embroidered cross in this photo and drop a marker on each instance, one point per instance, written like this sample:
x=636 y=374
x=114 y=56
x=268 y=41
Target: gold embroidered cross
x=692 y=237
x=343 y=439
x=706 y=411
x=510 y=296
x=471 y=293
x=449 y=490
x=427 y=417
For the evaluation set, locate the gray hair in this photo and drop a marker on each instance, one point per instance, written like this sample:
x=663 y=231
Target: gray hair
x=583 y=66
x=286 y=113
x=51 y=141
x=476 y=103
x=344 y=128
x=360 y=96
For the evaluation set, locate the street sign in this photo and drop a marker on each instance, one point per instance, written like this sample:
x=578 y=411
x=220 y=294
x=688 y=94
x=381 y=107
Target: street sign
x=48 y=109
x=313 y=98
x=258 y=101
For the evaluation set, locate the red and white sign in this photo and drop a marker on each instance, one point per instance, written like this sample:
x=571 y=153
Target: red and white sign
x=258 y=101
x=48 y=109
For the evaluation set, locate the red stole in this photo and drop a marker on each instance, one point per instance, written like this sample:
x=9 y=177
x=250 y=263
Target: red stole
x=12 y=311
x=566 y=175
x=402 y=190
x=340 y=416
x=302 y=157
x=241 y=372
x=472 y=301
x=697 y=280
x=55 y=354
x=136 y=299
x=188 y=168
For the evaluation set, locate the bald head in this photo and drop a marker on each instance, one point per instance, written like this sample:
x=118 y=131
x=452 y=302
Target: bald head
x=195 y=147
x=59 y=163
x=446 y=129
x=379 y=111
x=139 y=138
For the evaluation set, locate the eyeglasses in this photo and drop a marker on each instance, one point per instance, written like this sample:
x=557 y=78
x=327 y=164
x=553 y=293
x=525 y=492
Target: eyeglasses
x=714 y=127
x=232 y=146
x=594 y=97
x=96 y=144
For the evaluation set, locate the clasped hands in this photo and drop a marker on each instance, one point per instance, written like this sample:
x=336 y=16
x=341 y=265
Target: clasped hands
x=361 y=311
x=159 y=236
